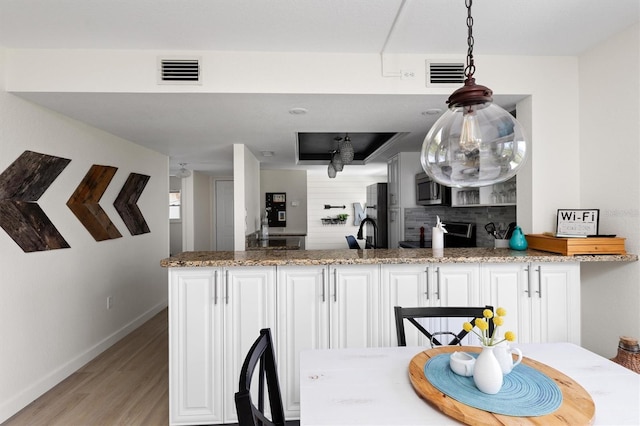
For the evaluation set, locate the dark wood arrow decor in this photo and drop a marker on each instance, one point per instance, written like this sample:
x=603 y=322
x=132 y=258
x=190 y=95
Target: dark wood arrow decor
x=84 y=203
x=21 y=185
x=127 y=207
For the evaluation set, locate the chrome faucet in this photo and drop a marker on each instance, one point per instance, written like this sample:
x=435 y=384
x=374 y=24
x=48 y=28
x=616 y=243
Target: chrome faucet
x=375 y=230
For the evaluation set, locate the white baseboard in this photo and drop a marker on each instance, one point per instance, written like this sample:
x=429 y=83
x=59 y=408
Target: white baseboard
x=37 y=389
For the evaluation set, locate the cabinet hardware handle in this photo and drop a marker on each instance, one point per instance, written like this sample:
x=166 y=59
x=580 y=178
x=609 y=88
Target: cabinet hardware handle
x=539 y=269
x=335 y=285
x=528 y=290
x=226 y=288
x=215 y=287
x=323 y=283
x=438 y=283
x=427 y=272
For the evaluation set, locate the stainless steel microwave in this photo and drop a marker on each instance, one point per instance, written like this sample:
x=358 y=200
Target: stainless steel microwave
x=430 y=192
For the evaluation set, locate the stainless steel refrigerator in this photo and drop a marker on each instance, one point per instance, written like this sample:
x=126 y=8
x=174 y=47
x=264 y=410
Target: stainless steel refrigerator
x=376 y=209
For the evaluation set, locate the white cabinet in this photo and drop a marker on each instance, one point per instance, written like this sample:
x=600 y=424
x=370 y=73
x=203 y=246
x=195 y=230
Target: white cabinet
x=215 y=315
x=392 y=182
x=542 y=299
x=323 y=307
x=401 y=189
x=426 y=285
x=394 y=228
x=499 y=194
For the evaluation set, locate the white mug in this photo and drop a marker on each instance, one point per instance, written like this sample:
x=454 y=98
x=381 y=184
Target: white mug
x=503 y=353
x=462 y=363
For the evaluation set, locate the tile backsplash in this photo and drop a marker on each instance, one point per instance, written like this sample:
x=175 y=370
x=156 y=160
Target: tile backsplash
x=416 y=217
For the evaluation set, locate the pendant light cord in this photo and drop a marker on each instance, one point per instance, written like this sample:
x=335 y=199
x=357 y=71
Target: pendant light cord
x=470 y=68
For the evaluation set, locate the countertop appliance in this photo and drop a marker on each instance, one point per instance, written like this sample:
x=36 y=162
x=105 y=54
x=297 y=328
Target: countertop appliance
x=459 y=234
x=431 y=193
x=376 y=209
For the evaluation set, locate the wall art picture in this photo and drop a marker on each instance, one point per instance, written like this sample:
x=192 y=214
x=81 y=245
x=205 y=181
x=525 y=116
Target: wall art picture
x=21 y=185
x=126 y=204
x=85 y=203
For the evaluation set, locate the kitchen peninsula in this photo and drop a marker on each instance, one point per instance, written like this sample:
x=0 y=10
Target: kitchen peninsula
x=319 y=299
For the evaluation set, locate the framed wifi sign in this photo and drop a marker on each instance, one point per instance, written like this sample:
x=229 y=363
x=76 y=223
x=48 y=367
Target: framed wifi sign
x=577 y=222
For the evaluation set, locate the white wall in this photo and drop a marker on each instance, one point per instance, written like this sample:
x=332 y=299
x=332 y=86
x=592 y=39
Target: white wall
x=251 y=191
x=202 y=215
x=294 y=183
x=246 y=195
x=175 y=226
x=610 y=181
x=53 y=314
x=342 y=190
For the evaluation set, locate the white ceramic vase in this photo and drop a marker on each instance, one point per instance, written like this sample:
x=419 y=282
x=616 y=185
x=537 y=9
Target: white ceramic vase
x=504 y=355
x=487 y=373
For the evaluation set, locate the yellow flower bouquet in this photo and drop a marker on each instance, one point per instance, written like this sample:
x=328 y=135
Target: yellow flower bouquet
x=483 y=325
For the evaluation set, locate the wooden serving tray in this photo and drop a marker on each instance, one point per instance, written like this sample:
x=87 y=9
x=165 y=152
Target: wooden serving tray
x=572 y=246
x=577 y=407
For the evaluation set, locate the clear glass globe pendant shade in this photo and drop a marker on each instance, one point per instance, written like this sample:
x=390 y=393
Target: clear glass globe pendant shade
x=474 y=145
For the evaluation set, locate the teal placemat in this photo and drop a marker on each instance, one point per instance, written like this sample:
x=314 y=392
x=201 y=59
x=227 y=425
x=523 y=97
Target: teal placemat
x=525 y=392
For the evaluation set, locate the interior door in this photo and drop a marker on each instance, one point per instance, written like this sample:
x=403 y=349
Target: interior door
x=224 y=215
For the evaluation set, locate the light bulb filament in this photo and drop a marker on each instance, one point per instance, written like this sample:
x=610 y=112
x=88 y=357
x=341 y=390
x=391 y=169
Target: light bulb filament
x=470 y=137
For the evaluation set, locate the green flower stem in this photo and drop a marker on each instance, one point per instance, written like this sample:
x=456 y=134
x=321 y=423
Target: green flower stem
x=495 y=331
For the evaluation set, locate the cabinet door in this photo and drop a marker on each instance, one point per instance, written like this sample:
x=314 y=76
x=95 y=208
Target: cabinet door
x=392 y=181
x=406 y=286
x=393 y=233
x=454 y=285
x=249 y=305
x=506 y=285
x=196 y=357
x=556 y=302
x=303 y=323
x=354 y=306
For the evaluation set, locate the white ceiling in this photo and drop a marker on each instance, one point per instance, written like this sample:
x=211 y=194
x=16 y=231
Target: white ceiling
x=523 y=27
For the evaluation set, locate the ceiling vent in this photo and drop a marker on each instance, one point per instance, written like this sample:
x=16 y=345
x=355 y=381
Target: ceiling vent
x=179 y=71
x=445 y=74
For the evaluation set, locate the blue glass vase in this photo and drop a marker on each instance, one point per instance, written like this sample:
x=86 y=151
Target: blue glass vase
x=518 y=241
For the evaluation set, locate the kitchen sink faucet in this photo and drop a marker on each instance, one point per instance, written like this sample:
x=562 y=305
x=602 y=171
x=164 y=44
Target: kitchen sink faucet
x=375 y=231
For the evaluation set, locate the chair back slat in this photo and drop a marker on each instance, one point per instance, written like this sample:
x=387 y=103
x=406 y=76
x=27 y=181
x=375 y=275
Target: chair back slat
x=261 y=357
x=411 y=314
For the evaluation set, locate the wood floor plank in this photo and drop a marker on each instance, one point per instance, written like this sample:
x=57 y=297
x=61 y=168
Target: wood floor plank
x=128 y=384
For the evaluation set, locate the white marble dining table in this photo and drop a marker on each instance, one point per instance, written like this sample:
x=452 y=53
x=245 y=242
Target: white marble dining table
x=371 y=386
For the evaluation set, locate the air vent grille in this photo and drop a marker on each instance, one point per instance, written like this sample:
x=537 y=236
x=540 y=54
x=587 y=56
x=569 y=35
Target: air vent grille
x=180 y=71
x=445 y=73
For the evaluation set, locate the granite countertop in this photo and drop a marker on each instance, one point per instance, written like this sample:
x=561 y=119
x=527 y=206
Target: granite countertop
x=375 y=256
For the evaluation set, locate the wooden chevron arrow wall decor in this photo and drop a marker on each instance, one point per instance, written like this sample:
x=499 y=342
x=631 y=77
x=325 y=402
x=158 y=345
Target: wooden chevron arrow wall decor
x=21 y=185
x=84 y=203
x=126 y=204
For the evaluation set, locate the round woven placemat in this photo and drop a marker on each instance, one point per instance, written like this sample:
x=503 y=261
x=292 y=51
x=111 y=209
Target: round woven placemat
x=525 y=391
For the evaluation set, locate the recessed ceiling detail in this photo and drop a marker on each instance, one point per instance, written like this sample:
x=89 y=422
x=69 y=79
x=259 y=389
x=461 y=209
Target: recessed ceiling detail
x=316 y=148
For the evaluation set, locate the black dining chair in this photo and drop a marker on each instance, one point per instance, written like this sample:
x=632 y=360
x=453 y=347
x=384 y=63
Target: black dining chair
x=262 y=356
x=353 y=243
x=412 y=314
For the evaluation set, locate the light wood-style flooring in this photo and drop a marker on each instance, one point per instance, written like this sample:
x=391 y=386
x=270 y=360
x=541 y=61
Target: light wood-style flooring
x=128 y=384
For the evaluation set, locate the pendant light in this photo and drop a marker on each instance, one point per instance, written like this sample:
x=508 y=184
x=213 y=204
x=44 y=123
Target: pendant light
x=331 y=171
x=346 y=150
x=475 y=142
x=183 y=172
x=336 y=159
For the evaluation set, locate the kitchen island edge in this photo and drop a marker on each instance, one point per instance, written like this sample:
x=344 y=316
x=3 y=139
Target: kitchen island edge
x=375 y=256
